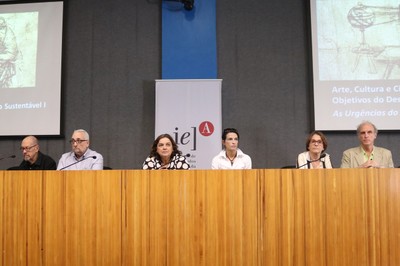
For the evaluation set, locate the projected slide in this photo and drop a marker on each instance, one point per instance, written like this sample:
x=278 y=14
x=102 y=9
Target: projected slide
x=356 y=63
x=30 y=68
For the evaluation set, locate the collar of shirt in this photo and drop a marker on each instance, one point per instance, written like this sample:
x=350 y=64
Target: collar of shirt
x=82 y=157
x=366 y=157
x=239 y=153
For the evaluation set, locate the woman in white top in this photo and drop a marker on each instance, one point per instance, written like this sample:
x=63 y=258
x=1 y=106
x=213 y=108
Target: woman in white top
x=314 y=157
x=231 y=157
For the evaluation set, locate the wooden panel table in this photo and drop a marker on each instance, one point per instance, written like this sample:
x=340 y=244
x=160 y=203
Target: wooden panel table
x=201 y=217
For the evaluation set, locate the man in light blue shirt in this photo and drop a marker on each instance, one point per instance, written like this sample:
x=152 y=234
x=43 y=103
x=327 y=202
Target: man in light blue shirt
x=81 y=157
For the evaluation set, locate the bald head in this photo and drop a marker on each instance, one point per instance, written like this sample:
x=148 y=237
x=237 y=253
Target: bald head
x=30 y=140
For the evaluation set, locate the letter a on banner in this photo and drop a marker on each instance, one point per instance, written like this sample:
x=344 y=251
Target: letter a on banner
x=190 y=111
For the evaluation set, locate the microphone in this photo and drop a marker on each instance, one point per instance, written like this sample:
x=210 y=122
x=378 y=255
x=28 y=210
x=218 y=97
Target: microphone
x=94 y=157
x=320 y=157
x=6 y=157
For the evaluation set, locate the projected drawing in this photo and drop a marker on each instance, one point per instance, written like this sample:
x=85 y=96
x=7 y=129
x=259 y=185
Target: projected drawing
x=18 y=48
x=359 y=41
x=8 y=54
x=362 y=17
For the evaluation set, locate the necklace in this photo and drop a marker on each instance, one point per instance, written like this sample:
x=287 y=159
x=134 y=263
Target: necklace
x=230 y=158
x=164 y=166
x=316 y=164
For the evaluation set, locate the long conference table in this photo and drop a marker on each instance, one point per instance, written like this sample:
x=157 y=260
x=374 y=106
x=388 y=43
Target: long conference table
x=201 y=217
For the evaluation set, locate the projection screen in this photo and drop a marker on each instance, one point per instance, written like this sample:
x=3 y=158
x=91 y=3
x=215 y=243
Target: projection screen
x=356 y=63
x=30 y=68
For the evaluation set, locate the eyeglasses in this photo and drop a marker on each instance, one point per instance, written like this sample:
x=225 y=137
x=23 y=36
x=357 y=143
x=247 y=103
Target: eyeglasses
x=78 y=141
x=27 y=148
x=316 y=142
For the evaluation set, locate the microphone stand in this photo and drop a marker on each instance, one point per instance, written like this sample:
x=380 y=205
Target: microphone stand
x=94 y=157
x=11 y=156
x=319 y=159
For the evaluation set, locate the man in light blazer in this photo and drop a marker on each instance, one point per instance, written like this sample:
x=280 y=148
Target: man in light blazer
x=367 y=155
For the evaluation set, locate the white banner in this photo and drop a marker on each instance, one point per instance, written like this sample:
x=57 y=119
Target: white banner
x=190 y=111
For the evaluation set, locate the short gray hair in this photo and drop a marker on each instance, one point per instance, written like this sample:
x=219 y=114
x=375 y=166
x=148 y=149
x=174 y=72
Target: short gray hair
x=366 y=123
x=82 y=131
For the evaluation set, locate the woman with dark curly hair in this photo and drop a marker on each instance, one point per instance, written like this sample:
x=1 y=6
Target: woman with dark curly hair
x=164 y=154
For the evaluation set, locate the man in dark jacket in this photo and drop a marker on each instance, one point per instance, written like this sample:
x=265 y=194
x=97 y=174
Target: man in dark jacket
x=33 y=158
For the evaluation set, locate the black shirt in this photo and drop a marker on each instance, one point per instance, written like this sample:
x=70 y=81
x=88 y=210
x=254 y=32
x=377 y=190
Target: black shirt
x=43 y=162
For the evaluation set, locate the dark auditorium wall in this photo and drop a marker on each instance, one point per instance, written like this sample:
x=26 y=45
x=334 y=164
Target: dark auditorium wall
x=112 y=55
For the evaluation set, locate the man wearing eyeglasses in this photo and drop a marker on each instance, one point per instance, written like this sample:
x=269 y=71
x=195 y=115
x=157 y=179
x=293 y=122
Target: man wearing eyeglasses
x=33 y=158
x=81 y=157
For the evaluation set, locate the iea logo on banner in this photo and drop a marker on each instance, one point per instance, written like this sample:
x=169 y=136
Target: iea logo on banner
x=190 y=111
